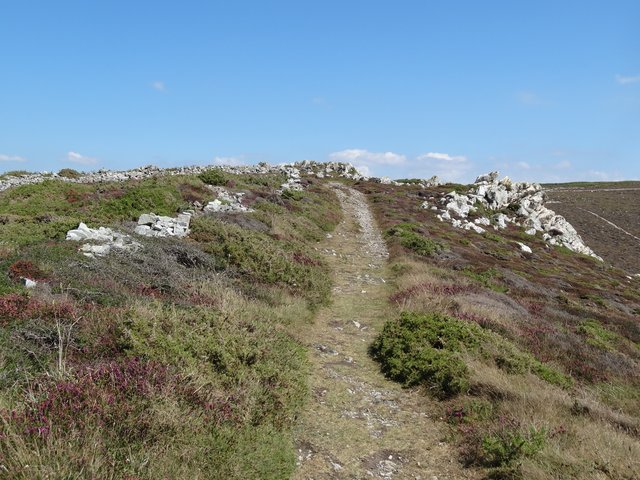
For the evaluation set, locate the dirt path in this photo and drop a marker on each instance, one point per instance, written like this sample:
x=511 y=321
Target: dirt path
x=611 y=223
x=358 y=424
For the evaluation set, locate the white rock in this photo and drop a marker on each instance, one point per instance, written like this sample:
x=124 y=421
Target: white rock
x=152 y=225
x=227 y=202
x=472 y=226
x=501 y=220
x=102 y=240
x=525 y=248
x=525 y=198
x=28 y=283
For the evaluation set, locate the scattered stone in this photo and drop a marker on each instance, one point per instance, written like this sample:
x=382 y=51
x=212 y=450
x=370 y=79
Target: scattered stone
x=102 y=240
x=152 y=225
x=324 y=349
x=227 y=202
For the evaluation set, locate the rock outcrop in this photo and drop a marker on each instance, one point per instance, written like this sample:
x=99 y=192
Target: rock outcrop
x=518 y=203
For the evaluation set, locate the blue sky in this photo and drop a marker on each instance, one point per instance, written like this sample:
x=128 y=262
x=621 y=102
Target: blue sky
x=544 y=90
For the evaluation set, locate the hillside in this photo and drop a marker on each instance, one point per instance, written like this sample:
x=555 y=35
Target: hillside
x=306 y=321
x=607 y=215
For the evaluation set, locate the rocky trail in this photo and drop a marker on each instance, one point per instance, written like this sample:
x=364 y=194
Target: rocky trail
x=358 y=424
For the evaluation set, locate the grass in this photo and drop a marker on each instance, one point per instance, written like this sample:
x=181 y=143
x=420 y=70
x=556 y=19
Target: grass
x=486 y=278
x=173 y=361
x=181 y=360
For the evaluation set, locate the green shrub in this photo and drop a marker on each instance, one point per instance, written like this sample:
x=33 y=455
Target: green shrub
x=263 y=368
x=69 y=173
x=269 y=180
x=425 y=350
x=292 y=194
x=409 y=238
x=148 y=196
x=214 y=176
x=510 y=444
x=258 y=256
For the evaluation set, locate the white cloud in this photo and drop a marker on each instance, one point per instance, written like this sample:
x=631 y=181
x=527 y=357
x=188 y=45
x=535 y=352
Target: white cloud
x=364 y=160
x=364 y=170
x=364 y=157
x=563 y=165
x=75 y=157
x=598 y=175
x=442 y=156
x=448 y=167
x=625 y=80
x=159 y=86
x=11 y=158
x=230 y=161
x=528 y=98
x=523 y=165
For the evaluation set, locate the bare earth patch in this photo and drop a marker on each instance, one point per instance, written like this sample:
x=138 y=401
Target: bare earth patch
x=358 y=424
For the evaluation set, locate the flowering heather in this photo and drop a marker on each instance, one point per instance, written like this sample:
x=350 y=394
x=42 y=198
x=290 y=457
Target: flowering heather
x=112 y=396
x=24 y=269
x=103 y=396
x=15 y=306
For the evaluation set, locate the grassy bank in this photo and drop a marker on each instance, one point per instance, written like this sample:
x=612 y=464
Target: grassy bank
x=535 y=357
x=173 y=361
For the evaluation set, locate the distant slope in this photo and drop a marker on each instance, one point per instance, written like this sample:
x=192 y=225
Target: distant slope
x=595 y=210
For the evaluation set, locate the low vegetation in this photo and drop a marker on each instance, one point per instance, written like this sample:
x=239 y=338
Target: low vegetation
x=534 y=359
x=180 y=359
x=172 y=361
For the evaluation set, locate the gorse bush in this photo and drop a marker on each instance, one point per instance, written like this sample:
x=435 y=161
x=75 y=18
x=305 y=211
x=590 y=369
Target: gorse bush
x=69 y=173
x=429 y=349
x=214 y=176
x=425 y=350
